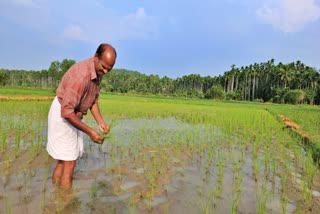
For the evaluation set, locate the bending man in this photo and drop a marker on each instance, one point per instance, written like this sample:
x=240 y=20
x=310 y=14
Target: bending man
x=77 y=92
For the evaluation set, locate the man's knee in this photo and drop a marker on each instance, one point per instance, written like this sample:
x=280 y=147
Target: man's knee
x=69 y=164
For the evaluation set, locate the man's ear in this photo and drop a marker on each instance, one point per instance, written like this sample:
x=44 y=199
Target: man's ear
x=95 y=58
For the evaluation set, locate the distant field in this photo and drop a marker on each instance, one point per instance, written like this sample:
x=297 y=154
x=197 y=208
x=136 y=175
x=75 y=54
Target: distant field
x=4 y=91
x=308 y=117
x=26 y=94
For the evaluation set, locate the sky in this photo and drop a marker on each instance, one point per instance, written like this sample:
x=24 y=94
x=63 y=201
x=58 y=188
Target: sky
x=166 y=38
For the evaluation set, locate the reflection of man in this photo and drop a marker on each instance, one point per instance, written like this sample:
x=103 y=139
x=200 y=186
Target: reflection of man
x=78 y=91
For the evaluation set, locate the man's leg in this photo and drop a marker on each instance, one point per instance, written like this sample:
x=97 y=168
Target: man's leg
x=67 y=173
x=57 y=173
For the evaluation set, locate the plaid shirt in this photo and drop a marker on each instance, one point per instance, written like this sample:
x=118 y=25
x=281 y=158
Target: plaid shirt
x=79 y=89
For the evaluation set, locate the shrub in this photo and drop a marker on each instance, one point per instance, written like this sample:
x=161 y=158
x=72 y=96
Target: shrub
x=294 y=96
x=216 y=92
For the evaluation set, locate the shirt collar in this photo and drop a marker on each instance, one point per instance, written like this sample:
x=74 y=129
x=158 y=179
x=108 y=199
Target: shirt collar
x=93 y=73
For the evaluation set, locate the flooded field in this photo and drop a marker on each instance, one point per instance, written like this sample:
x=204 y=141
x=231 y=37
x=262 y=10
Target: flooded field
x=214 y=160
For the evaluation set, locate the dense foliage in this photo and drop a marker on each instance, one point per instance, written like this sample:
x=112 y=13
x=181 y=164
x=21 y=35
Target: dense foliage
x=264 y=82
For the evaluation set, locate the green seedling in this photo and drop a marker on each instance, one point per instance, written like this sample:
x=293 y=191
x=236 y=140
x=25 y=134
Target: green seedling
x=107 y=135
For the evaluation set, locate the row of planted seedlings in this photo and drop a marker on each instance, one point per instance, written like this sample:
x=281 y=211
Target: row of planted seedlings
x=23 y=137
x=234 y=159
x=281 y=168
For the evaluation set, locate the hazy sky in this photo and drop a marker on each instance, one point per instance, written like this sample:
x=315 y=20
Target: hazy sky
x=172 y=38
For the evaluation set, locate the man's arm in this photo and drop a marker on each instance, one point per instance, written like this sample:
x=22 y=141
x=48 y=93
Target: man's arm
x=95 y=110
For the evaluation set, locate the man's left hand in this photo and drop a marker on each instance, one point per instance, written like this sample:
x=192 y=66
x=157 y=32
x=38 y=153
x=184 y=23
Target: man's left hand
x=104 y=128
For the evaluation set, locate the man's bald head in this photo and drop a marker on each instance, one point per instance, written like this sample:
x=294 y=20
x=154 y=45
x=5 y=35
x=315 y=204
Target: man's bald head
x=104 y=58
x=105 y=48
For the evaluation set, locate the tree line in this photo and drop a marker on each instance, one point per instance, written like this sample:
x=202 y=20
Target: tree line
x=293 y=82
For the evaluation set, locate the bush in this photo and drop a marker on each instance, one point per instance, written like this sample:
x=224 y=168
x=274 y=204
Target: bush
x=216 y=92
x=233 y=95
x=294 y=96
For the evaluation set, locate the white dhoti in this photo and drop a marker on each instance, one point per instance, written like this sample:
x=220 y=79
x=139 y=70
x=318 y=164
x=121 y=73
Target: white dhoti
x=65 y=142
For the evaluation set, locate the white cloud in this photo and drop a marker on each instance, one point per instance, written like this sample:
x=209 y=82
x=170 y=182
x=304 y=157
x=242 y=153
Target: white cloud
x=90 y=21
x=290 y=15
x=74 y=32
x=140 y=13
x=137 y=25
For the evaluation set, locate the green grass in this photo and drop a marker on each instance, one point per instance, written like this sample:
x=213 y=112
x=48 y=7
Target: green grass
x=308 y=117
x=18 y=92
x=121 y=105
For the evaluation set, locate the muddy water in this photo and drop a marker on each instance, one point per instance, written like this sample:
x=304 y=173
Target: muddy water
x=149 y=166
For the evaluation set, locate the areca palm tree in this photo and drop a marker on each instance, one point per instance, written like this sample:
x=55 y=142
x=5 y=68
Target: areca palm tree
x=286 y=73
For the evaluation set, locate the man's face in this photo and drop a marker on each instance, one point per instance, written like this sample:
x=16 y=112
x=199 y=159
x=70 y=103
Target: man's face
x=105 y=63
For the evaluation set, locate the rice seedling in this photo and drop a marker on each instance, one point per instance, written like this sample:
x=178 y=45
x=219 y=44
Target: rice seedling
x=310 y=169
x=4 y=142
x=209 y=201
x=8 y=204
x=262 y=198
x=284 y=203
x=236 y=191
x=256 y=169
x=221 y=165
x=93 y=189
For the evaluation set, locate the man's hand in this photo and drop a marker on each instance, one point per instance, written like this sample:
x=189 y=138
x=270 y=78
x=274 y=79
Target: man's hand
x=104 y=128
x=96 y=137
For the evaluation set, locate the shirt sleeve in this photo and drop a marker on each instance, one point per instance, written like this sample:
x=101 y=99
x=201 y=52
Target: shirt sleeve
x=74 y=88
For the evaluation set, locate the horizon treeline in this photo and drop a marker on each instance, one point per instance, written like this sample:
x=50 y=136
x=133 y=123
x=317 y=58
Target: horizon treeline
x=293 y=82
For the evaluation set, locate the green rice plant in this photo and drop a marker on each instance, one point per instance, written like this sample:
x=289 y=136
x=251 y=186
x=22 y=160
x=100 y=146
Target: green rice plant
x=113 y=157
x=262 y=198
x=284 y=203
x=256 y=169
x=209 y=200
x=310 y=169
x=93 y=189
x=4 y=141
x=221 y=165
x=27 y=179
x=42 y=204
x=8 y=160
x=132 y=208
x=8 y=204
x=267 y=163
x=274 y=168
x=19 y=181
x=283 y=179
x=297 y=211
x=45 y=179
x=107 y=135
x=297 y=156
x=132 y=141
x=274 y=173
x=152 y=184
x=60 y=203
x=236 y=191
x=235 y=164
x=255 y=149
x=307 y=194
x=17 y=141
x=5 y=178
x=36 y=147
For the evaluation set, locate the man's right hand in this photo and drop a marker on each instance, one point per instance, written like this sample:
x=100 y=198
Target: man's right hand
x=96 y=137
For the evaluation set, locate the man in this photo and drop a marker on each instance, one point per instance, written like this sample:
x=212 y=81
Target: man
x=77 y=92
